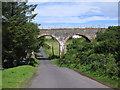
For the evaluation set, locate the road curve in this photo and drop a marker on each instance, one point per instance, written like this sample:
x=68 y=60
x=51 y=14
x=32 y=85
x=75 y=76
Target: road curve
x=48 y=75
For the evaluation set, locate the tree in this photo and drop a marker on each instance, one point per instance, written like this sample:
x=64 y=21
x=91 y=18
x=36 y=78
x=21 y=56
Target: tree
x=109 y=42
x=19 y=34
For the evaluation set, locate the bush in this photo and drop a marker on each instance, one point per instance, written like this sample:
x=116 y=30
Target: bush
x=101 y=57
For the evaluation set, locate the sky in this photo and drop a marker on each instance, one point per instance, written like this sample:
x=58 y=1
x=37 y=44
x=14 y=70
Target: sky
x=77 y=13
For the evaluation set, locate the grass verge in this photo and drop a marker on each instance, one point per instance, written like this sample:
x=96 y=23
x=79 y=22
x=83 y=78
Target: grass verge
x=55 y=61
x=0 y=79
x=93 y=75
x=17 y=77
x=100 y=78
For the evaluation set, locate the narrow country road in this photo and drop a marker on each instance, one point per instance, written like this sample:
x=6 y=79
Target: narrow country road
x=48 y=75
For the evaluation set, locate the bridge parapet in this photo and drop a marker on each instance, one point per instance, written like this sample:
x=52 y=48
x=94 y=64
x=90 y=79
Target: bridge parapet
x=71 y=26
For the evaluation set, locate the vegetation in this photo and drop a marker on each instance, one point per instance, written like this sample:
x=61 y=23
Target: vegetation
x=0 y=79
x=20 y=75
x=99 y=58
x=19 y=33
x=19 y=36
x=49 y=44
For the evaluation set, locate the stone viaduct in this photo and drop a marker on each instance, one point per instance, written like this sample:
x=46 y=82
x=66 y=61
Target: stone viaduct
x=63 y=34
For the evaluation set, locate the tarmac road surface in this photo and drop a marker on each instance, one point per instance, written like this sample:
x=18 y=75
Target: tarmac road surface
x=48 y=75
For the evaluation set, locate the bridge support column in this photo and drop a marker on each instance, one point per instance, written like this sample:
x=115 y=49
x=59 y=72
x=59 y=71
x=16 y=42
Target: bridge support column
x=62 y=48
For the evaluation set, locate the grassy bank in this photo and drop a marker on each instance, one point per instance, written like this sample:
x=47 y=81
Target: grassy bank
x=17 y=77
x=55 y=44
x=100 y=78
x=0 y=79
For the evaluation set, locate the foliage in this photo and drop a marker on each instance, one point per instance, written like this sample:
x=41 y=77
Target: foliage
x=51 y=47
x=100 y=56
x=19 y=33
x=113 y=32
x=109 y=42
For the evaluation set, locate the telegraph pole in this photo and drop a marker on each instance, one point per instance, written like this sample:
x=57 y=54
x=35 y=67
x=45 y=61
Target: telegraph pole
x=52 y=50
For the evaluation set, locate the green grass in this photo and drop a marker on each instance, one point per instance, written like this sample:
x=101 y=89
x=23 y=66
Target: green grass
x=0 y=79
x=49 y=41
x=36 y=62
x=55 y=61
x=55 y=44
x=103 y=79
x=94 y=75
x=18 y=76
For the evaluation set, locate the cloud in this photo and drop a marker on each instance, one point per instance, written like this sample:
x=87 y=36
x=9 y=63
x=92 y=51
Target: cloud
x=72 y=19
x=66 y=9
x=77 y=12
x=70 y=13
x=42 y=1
x=108 y=8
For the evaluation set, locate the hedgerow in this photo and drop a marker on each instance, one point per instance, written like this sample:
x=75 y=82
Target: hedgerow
x=100 y=56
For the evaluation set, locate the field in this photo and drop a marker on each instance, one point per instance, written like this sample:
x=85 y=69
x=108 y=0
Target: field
x=49 y=41
x=52 y=42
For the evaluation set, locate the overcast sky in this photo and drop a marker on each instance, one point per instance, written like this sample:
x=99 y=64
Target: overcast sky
x=77 y=12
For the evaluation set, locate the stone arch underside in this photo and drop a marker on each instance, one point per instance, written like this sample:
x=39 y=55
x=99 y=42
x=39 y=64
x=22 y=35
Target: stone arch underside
x=42 y=35
x=56 y=38
x=87 y=37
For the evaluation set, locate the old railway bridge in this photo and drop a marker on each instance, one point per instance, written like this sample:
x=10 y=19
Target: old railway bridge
x=63 y=34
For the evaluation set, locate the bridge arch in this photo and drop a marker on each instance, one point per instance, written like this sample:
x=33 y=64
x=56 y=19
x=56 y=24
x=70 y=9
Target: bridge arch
x=63 y=35
x=59 y=42
x=42 y=35
x=84 y=36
